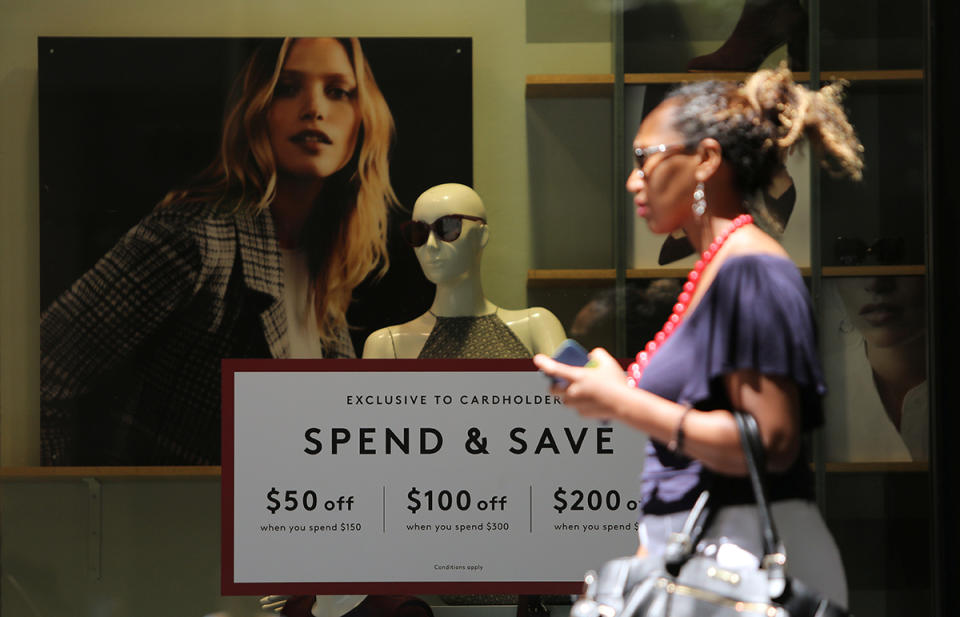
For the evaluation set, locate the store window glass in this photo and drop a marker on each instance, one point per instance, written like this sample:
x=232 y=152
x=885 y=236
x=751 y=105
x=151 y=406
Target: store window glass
x=532 y=103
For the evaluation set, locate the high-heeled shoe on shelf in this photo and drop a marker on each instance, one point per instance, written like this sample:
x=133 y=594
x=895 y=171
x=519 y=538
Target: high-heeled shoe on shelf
x=764 y=25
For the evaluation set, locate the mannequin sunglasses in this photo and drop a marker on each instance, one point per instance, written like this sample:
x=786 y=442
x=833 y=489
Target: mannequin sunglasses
x=446 y=228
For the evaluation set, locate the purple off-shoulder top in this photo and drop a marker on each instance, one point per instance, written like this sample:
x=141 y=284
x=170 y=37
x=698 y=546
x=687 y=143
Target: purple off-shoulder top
x=757 y=315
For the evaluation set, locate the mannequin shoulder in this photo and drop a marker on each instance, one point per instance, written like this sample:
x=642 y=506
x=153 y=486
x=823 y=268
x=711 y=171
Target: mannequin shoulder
x=533 y=314
x=379 y=344
x=544 y=331
x=400 y=341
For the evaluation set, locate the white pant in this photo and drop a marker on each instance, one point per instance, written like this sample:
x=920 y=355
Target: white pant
x=812 y=555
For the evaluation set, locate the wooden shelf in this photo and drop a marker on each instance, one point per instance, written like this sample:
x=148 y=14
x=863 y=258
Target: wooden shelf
x=562 y=85
x=595 y=277
x=61 y=473
x=890 y=75
x=834 y=271
x=879 y=467
x=598 y=277
x=676 y=78
x=573 y=86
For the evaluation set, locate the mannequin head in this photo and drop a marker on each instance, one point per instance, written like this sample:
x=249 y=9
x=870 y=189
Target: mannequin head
x=454 y=260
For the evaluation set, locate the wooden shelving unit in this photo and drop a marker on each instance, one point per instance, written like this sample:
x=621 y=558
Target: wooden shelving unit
x=593 y=85
x=577 y=85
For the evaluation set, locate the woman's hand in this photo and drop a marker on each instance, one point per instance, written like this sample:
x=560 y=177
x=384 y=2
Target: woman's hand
x=592 y=391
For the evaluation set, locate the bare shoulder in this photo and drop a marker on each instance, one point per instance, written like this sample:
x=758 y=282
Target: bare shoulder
x=753 y=240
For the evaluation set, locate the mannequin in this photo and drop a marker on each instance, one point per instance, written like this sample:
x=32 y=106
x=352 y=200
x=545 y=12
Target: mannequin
x=461 y=322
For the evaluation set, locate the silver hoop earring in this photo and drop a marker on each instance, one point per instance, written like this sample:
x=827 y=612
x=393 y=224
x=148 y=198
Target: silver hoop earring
x=699 y=200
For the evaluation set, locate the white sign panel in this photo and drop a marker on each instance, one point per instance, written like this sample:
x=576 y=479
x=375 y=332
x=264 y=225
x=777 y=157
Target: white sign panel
x=417 y=476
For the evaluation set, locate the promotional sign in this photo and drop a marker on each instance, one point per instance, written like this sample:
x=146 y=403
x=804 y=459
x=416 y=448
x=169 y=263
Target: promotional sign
x=454 y=476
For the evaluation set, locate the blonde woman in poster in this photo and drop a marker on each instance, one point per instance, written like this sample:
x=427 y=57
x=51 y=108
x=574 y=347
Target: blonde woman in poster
x=448 y=233
x=257 y=257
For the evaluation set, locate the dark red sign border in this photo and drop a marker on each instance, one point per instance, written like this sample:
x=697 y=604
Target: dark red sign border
x=229 y=367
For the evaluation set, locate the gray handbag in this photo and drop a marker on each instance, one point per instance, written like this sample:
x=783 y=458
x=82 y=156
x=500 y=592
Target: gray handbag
x=689 y=581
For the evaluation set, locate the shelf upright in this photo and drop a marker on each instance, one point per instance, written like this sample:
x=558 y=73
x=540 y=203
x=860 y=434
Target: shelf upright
x=620 y=219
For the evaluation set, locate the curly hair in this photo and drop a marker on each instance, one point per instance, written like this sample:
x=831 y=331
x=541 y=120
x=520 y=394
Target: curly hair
x=345 y=239
x=758 y=122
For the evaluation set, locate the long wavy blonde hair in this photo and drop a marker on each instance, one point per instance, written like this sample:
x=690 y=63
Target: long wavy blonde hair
x=345 y=236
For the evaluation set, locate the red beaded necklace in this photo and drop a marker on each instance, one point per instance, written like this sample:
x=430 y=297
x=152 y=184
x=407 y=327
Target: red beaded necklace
x=635 y=370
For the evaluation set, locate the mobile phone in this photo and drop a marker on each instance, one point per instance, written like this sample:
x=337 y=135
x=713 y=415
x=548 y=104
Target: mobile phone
x=572 y=353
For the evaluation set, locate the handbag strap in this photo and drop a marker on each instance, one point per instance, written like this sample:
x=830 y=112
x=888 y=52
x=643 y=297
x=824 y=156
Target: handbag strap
x=756 y=465
x=775 y=558
x=681 y=544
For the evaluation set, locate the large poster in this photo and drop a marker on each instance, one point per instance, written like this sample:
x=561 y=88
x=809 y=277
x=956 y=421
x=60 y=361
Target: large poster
x=142 y=300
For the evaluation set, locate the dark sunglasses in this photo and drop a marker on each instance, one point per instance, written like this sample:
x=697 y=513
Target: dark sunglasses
x=854 y=251
x=446 y=228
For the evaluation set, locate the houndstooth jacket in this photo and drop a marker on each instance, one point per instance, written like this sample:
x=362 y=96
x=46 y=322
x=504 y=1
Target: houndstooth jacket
x=130 y=354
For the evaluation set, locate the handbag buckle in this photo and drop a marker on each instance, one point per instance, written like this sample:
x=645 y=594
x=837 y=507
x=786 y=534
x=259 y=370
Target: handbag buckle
x=775 y=565
x=726 y=576
x=682 y=540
